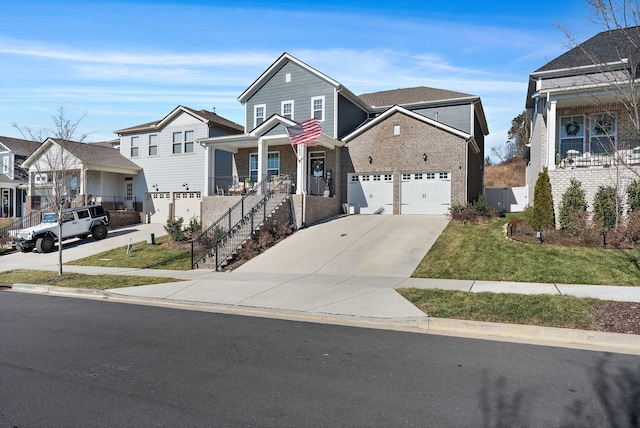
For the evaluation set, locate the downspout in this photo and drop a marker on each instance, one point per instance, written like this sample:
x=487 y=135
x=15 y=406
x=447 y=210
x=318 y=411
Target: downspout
x=466 y=172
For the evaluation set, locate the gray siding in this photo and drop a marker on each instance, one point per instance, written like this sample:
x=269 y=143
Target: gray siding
x=350 y=116
x=457 y=116
x=303 y=86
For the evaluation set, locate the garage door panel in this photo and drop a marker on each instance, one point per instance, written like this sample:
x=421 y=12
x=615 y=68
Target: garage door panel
x=425 y=193
x=371 y=193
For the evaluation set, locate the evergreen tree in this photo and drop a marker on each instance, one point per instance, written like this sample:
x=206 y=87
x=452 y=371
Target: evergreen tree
x=605 y=203
x=543 y=216
x=633 y=195
x=573 y=201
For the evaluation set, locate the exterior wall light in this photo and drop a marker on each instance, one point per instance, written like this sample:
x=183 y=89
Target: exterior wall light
x=370 y=160
x=424 y=157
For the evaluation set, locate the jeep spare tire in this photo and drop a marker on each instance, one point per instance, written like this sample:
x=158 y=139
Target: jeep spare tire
x=99 y=232
x=45 y=244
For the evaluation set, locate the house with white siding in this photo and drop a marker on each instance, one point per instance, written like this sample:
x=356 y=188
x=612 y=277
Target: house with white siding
x=172 y=178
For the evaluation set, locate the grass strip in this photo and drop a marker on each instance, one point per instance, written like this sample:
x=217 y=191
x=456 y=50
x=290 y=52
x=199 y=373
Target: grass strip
x=142 y=256
x=76 y=280
x=482 y=252
x=538 y=309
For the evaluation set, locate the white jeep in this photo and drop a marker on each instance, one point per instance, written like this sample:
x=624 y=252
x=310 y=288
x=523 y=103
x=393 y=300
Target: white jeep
x=76 y=222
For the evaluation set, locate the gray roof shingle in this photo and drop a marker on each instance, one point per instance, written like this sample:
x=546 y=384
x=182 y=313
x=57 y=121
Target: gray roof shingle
x=20 y=147
x=205 y=114
x=410 y=96
x=96 y=154
x=604 y=47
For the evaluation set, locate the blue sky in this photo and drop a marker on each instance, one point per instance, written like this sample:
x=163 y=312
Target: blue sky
x=127 y=63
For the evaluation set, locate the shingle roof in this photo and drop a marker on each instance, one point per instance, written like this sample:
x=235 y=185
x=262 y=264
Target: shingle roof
x=205 y=114
x=96 y=154
x=410 y=96
x=604 y=47
x=20 y=147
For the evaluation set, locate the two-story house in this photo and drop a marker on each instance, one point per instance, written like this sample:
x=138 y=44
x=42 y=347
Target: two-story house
x=582 y=116
x=172 y=179
x=14 y=178
x=405 y=151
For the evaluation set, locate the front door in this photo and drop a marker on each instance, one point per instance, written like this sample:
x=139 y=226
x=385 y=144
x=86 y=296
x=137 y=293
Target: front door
x=316 y=185
x=128 y=193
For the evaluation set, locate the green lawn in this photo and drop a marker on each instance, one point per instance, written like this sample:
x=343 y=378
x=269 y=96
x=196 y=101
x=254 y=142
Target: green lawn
x=75 y=280
x=481 y=252
x=142 y=256
x=540 y=309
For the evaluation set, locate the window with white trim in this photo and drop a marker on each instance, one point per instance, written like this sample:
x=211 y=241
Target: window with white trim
x=5 y=165
x=188 y=141
x=259 y=112
x=287 y=109
x=572 y=135
x=135 y=147
x=177 y=143
x=153 y=145
x=317 y=108
x=273 y=165
x=602 y=133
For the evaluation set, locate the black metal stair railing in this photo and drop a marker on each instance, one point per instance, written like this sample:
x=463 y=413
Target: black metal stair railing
x=215 y=245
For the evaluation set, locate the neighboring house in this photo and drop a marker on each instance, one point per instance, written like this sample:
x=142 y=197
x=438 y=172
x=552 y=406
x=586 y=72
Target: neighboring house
x=14 y=178
x=97 y=174
x=406 y=151
x=580 y=129
x=173 y=167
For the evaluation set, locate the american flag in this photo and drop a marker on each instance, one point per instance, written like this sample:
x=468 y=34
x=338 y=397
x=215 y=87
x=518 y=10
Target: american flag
x=306 y=133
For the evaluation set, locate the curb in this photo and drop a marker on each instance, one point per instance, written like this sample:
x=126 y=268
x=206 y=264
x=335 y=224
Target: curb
x=526 y=334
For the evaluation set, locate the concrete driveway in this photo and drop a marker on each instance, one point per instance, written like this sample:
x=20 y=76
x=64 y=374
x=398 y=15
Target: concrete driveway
x=356 y=245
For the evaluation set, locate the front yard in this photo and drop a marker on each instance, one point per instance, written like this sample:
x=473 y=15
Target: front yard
x=482 y=252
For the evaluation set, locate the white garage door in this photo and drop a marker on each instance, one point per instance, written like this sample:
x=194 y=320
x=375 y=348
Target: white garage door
x=371 y=193
x=425 y=193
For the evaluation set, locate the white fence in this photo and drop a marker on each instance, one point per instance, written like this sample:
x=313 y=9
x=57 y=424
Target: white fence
x=509 y=199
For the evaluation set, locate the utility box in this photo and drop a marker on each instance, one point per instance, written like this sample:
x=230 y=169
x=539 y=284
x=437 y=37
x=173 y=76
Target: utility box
x=151 y=239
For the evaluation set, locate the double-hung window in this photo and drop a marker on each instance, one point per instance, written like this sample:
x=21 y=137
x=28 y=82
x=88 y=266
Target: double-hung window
x=602 y=133
x=177 y=142
x=135 y=147
x=572 y=135
x=188 y=141
x=153 y=145
x=259 y=114
x=287 y=109
x=317 y=108
x=273 y=165
x=5 y=164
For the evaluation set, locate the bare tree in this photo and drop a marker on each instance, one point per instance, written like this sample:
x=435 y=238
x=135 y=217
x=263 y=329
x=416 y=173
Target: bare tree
x=65 y=129
x=54 y=174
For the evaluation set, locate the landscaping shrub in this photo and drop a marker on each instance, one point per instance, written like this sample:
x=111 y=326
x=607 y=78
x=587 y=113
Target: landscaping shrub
x=607 y=207
x=573 y=201
x=542 y=215
x=633 y=195
x=178 y=233
x=472 y=212
x=632 y=227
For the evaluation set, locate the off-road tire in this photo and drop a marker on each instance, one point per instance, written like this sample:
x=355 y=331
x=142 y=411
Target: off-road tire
x=99 y=232
x=45 y=244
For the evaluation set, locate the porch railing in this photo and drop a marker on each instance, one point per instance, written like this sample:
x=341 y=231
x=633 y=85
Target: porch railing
x=572 y=156
x=216 y=244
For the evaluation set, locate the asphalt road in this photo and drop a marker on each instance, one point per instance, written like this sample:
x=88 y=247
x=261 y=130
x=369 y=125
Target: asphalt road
x=74 y=362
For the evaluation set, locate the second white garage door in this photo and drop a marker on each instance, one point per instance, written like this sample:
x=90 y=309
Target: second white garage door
x=425 y=193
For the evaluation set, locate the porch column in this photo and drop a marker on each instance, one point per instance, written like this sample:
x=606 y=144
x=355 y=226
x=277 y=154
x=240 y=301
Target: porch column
x=263 y=151
x=208 y=189
x=301 y=172
x=551 y=134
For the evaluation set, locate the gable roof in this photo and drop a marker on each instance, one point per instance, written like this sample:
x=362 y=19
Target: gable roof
x=18 y=146
x=420 y=94
x=606 y=47
x=416 y=116
x=274 y=68
x=89 y=154
x=205 y=116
